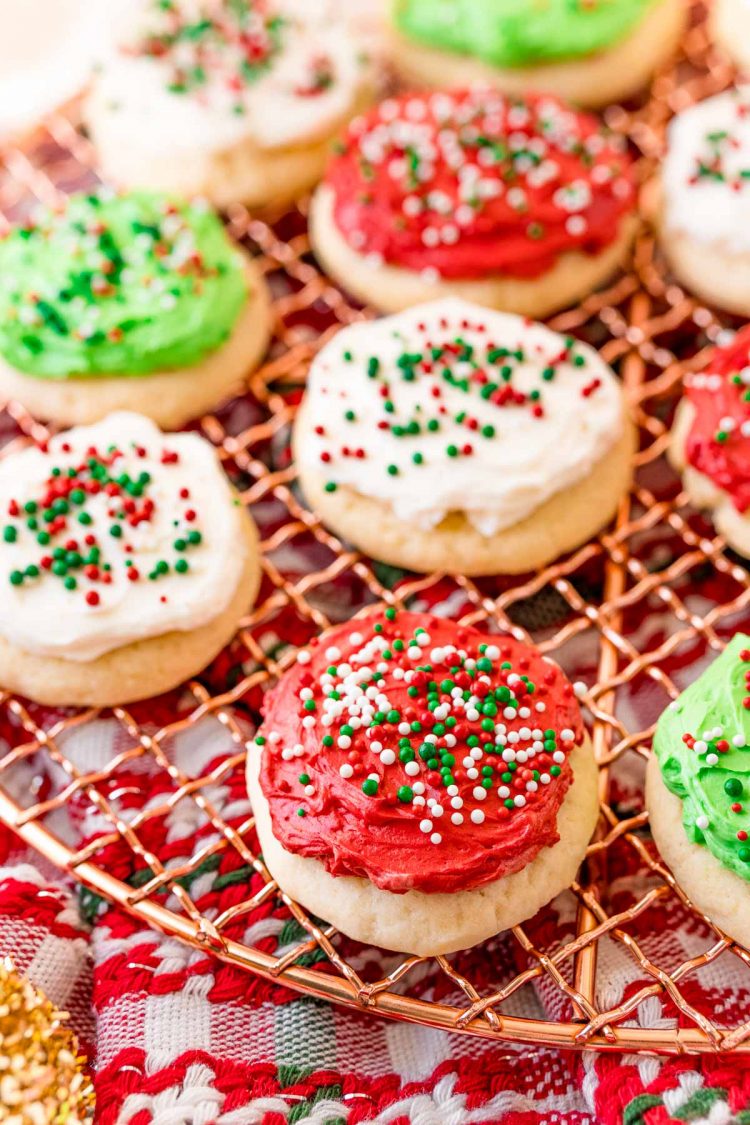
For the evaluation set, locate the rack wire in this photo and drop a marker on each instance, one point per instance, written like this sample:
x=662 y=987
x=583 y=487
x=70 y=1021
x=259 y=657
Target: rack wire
x=594 y=611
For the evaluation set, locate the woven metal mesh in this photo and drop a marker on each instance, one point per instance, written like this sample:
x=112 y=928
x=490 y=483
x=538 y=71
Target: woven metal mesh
x=660 y=562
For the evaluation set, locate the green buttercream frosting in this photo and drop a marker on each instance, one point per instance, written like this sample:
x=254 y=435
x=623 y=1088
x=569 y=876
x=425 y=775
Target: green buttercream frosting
x=117 y=285
x=508 y=33
x=710 y=772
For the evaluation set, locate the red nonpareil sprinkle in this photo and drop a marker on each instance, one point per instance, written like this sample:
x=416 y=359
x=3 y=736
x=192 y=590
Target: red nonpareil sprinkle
x=92 y=598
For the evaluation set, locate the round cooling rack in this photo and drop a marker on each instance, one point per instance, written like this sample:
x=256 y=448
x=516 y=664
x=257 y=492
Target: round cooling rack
x=634 y=615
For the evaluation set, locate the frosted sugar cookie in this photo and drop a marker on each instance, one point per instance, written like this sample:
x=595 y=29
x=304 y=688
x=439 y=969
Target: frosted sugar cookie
x=705 y=211
x=420 y=785
x=138 y=301
x=697 y=790
x=711 y=440
x=235 y=100
x=126 y=562
x=592 y=54
x=450 y=437
x=523 y=205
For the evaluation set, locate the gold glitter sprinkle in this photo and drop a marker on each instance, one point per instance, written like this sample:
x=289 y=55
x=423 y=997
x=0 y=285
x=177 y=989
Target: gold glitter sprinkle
x=42 y=1081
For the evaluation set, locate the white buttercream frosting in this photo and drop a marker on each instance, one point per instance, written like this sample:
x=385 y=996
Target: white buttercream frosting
x=311 y=81
x=191 y=498
x=400 y=431
x=706 y=172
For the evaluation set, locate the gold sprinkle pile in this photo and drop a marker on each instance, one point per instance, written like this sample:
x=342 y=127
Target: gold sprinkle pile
x=42 y=1081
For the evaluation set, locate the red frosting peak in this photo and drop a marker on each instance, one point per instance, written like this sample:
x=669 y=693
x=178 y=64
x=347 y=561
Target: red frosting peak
x=417 y=753
x=472 y=183
x=718 y=443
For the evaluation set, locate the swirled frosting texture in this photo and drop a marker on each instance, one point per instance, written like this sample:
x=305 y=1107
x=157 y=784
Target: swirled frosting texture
x=448 y=407
x=471 y=183
x=706 y=172
x=117 y=285
x=718 y=442
x=515 y=33
x=113 y=533
x=702 y=743
x=205 y=75
x=419 y=754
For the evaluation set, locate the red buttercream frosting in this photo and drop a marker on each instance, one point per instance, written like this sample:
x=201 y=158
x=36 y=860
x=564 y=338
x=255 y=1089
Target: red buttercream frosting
x=417 y=753
x=471 y=183
x=718 y=444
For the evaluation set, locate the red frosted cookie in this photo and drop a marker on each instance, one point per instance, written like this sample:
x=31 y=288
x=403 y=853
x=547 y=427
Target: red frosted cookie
x=421 y=785
x=711 y=439
x=521 y=204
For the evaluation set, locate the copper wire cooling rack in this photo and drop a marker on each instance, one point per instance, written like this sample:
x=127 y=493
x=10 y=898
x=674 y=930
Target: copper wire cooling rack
x=638 y=608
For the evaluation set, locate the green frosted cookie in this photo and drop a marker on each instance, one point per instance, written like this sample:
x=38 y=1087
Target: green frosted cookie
x=117 y=285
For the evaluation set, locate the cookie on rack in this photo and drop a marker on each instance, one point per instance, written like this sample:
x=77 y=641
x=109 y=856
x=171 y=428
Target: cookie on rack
x=420 y=785
x=704 y=214
x=730 y=27
x=127 y=302
x=591 y=54
x=127 y=562
x=697 y=790
x=523 y=205
x=710 y=444
x=452 y=437
x=234 y=100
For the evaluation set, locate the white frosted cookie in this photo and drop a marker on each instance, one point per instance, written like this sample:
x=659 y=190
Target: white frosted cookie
x=420 y=785
x=126 y=560
x=124 y=302
x=525 y=205
x=451 y=437
x=704 y=221
x=236 y=100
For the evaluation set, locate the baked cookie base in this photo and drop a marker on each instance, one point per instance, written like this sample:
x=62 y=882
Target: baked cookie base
x=558 y=525
x=730 y=28
x=394 y=288
x=703 y=493
x=245 y=173
x=707 y=270
x=138 y=670
x=592 y=81
x=428 y=924
x=712 y=888
x=169 y=398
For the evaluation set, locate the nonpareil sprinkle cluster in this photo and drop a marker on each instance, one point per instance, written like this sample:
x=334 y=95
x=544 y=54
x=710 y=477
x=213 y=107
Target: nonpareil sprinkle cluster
x=711 y=746
x=227 y=44
x=451 y=734
x=160 y=255
x=718 y=441
x=438 y=359
x=117 y=283
x=83 y=527
x=421 y=174
x=716 y=159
